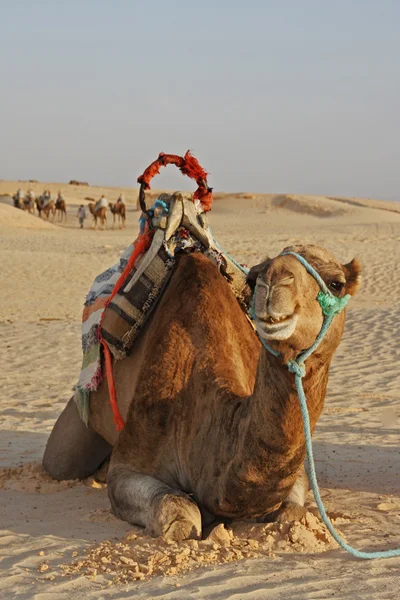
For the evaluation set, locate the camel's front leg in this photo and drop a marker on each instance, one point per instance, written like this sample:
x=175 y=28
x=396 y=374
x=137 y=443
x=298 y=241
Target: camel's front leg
x=144 y=500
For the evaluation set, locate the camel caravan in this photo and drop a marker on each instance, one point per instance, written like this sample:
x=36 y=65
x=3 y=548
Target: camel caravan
x=187 y=388
x=51 y=209
x=45 y=205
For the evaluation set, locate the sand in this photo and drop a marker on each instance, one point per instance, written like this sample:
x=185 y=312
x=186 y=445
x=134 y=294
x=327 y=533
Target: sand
x=60 y=540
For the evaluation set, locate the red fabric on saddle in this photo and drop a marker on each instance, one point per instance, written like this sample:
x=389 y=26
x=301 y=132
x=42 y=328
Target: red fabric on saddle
x=141 y=245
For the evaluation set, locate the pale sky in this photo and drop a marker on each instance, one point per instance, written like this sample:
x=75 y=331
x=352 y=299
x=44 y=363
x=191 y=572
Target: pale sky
x=298 y=96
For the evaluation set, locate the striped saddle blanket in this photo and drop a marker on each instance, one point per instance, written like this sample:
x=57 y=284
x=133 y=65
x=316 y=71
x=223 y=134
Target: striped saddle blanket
x=178 y=225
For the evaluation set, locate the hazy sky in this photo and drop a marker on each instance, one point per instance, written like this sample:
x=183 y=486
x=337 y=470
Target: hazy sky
x=276 y=96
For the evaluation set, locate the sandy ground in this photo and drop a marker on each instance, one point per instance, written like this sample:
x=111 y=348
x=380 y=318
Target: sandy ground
x=56 y=538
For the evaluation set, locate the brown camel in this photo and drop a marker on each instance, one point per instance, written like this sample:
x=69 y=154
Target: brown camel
x=61 y=209
x=99 y=213
x=17 y=202
x=47 y=208
x=119 y=209
x=213 y=427
x=29 y=204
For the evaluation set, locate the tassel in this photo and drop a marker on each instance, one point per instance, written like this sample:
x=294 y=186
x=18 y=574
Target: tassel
x=189 y=166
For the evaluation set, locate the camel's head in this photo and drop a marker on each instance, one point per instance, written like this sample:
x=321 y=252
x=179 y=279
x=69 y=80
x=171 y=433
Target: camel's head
x=287 y=312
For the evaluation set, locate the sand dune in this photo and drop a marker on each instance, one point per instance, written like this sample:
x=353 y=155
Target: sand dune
x=11 y=218
x=54 y=536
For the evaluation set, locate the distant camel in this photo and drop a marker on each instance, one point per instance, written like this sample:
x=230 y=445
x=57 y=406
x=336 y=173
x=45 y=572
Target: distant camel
x=47 y=208
x=119 y=209
x=17 y=201
x=29 y=204
x=99 y=213
x=61 y=210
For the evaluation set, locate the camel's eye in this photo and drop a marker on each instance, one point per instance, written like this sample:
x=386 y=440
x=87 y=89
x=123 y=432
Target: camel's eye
x=337 y=286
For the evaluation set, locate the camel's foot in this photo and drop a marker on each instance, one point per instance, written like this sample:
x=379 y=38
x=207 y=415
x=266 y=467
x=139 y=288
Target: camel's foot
x=144 y=500
x=287 y=512
x=175 y=517
x=291 y=511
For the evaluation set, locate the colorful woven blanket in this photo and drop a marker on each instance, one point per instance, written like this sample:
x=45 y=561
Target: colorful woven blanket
x=91 y=370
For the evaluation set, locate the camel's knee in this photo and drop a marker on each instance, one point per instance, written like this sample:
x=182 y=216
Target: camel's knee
x=73 y=451
x=144 y=500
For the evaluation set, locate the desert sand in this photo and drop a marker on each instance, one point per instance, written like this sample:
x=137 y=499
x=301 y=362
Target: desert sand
x=60 y=540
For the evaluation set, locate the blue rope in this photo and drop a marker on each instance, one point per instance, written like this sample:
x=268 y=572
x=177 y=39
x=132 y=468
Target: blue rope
x=315 y=487
x=297 y=367
x=310 y=269
x=243 y=269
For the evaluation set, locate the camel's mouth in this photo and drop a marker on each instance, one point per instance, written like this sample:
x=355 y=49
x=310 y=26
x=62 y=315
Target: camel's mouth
x=277 y=329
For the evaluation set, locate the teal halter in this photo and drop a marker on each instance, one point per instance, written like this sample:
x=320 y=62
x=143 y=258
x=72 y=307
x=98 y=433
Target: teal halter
x=331 y=305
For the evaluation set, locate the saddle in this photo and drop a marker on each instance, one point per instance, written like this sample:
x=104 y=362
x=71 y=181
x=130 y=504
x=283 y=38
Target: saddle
x=179 y=226
x=122 y=298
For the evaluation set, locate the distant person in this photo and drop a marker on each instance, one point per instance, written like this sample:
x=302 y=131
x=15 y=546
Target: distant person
x=46 y=197
x=31 y=195
x=81 y=215
x=120 y=199
x=60 y=197
x=18 y=198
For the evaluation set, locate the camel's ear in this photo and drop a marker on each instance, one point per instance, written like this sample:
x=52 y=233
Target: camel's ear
x=254 y=273
x=353 y=276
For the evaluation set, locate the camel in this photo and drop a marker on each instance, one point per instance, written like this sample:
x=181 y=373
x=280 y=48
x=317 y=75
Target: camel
x=119 y=209
x=213 y=428
x=99 y=213
x=29 y=204
x=47 y=209
x=61 y=209
x=17 y=201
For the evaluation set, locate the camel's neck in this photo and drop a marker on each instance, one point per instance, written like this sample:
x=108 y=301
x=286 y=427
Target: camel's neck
x=276 y=403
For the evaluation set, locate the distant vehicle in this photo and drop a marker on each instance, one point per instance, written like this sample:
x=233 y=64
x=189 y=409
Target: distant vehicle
x=76 y=182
